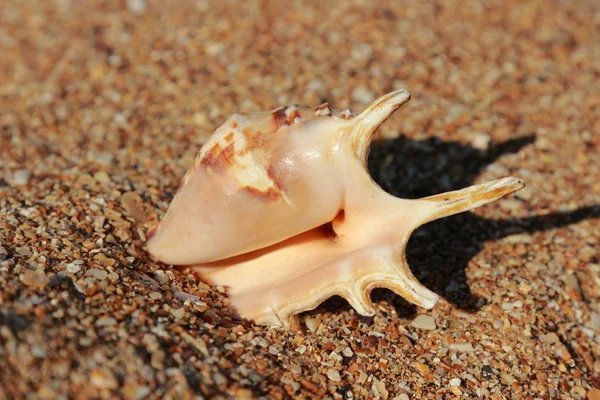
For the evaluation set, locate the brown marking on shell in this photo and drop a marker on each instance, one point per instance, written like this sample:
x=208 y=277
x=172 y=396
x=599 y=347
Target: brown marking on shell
x=347 y=113
x=211 y=156
x=152 y=231
x=474 y=196
x=292 y=113
x=270 y=194
x=250 y=136
x=254 y=140
x=323 y=109
x=279 y=118
x=220 y=157
x=234 y=124
x=273 y=176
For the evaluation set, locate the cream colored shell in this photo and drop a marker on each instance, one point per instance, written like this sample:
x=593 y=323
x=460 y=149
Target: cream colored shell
x=280 y=208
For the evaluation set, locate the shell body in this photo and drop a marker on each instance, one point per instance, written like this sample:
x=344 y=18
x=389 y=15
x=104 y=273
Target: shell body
x=244 y=180
x=280 y=208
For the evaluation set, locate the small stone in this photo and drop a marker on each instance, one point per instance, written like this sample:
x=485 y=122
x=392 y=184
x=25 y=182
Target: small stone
x=595 y=321
x=21 y=177
x=523 y=238
x=129 y=201
x=461 y=347
x=525 y=288
x=254 y=377
x=244 y=394
x=361 y=52
x=143 y=392
x=562 y=368
x=33 y=278
x=107 y=262
x=200 y=306
x=186 y=296
x=455 y=382
x=296 y=369
x=541 y=377
x=442 y=322
x=197 y=342
x=424 y=322
x=593 y=394
x=24 y=251
x=526 y=340
x=155 y=295
x=200 y=118
x=313 y=324
x=219 y=379
x=103 y=379
x=3 y=251
x=137 y=7
x=178 y=313
x=362 y=377
x=456 y=111
x=561 y=351
x=28 y=212
x=335 y=357
x=102 y=157
x=148 y=281
x=161 y=276
x=402 y=396
x=275 y=349
x=347 y=352
x=98 y=274
x=334 y=375
x=362 y=95
x=115 y=60
x=481 y=141
x=315 y=85
x=456 y=390
x=588 y=332
x=404 y=340
x=579 y=389
x=113 y=276
x=309 y=385
x=535 y=266
x=102 y=177
x=379 y=389
x=73 y=268
x=46 y=393
x=106 y=321
x=552 y=338
x=423 y=368
x=573 y=283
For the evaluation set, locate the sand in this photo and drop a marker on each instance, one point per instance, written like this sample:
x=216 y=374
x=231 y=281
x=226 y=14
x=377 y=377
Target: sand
x=104 y=105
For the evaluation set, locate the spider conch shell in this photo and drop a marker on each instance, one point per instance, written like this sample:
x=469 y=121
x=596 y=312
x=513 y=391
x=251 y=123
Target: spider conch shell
x=280 y=208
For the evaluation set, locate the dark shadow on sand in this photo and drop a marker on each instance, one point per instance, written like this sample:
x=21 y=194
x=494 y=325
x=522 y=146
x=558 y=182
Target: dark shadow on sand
x=439 y=252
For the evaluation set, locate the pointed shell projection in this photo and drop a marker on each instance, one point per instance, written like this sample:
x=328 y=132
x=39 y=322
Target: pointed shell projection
x=280 y=208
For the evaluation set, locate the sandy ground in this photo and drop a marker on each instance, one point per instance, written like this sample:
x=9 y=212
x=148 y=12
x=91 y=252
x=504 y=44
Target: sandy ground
x=104 y=105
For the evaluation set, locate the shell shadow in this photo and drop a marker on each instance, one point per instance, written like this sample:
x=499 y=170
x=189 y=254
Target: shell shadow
x=439 y=252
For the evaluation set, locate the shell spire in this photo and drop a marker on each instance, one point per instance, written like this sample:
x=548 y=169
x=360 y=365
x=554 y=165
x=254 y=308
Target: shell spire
x=280 y=208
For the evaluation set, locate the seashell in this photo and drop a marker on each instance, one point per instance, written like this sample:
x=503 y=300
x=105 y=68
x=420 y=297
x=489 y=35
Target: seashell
x=280 y=208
